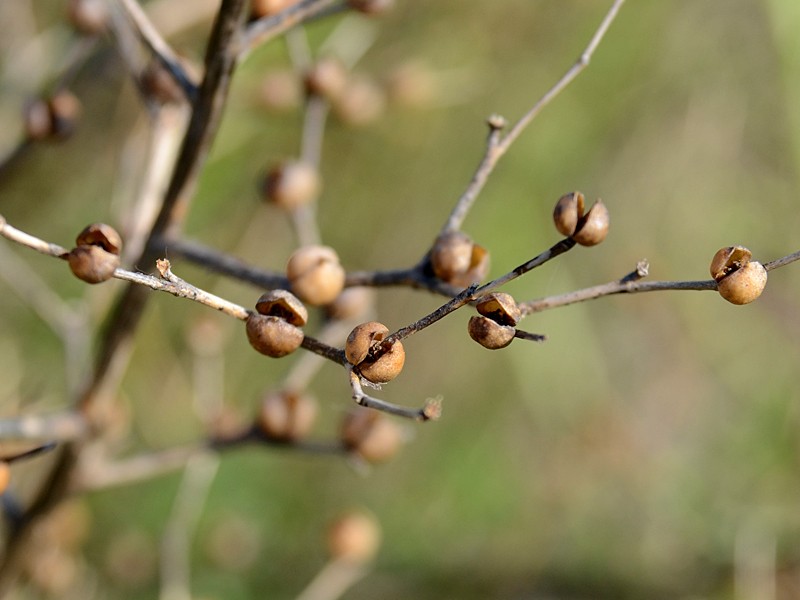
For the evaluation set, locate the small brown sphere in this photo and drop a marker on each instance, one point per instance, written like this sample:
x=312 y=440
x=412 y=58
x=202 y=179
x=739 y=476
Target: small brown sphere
x=315 y=274
x=282 y=304
x=273 y=336
x=5 y=476
x=745 y=284
x=326 y=78
x=287 y=416
x=373 y=362
x=489 y=333
x=567 y=212
x=360 y=102
x=361 y=340
x=88 y=17
x=499 y=307
x=100 y=234
x=354 y=537
x=456 y=259
x=371 y=435
x=292 y=184
x=92 y=264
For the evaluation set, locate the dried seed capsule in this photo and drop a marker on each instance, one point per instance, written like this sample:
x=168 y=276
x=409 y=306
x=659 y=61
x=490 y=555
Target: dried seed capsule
x=96 y=256
x=315 y=274
x=371 y=435
x=287 y=416
x=567 y=212
x=739 y=279
x=456 y=259
x=499 y=307
x=272 y=335
x=354 y=537
x=489 y=333
x=373 y=362
x=593 y=227
x=360 y=102
x=267 y=8
x=281 y=91
x=292 y=184
x=283 y=304
x=361 y=340
x=352 y=303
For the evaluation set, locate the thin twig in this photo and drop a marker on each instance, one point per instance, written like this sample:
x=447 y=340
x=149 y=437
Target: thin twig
x=159 y=47
x=59 y=427
x=431 y=410
x=497 y=145
x=333 y=580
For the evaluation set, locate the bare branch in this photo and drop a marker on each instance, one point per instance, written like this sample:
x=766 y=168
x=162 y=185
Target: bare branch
x=59 y=427
x=432 y=409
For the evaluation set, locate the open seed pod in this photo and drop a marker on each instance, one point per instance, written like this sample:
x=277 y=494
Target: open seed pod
x=283 y=304
x=740 y=280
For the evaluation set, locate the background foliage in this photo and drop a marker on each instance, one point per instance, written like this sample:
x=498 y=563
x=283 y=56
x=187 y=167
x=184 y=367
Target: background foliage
x=648 y=449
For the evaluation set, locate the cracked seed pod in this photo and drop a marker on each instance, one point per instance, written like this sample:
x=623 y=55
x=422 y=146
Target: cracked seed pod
x=96 y=255
x=586 y=229
x=489 y=333
x=315 y=275
x=499 y=307
x=457 y=260
x=354 y=538
x=287 y=416
x=739 y=279
x=326 y=78
x=371 y=435
x=292 y=184
x=373 y=362
x=273 y=336
x=282 y=304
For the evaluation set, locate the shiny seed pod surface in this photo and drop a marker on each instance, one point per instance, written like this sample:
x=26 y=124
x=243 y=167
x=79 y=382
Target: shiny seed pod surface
x=451 y=255
x=593 y=228
x=273 y=336
x=92 y=264
x=385 y=367
x=727 y=260
x=100 y=234
x=291 y=185
x=490 y=334
x=283 y=304
x=743 y=285
x=315 y=274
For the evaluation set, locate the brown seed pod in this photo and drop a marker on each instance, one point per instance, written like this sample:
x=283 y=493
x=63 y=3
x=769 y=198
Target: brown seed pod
x=499 y=307
x=739 y=279
x=287 y=415
x=489 y=333
x=281 y=91
x=283 y=304
x=360 y=102
x=354 y=537
x=292 y=184
x=96 y=255
x=159 y=85
x=374 y=363
x=326 y=78
x=371 y=435
x=65 y=110
x=267 y=8
x=456 y=259
x=315 y=274
x=593 y=227
x=567 y=212
x=273 y=336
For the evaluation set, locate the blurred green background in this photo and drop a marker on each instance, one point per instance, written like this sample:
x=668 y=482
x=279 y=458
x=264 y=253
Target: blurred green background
x=649 y=449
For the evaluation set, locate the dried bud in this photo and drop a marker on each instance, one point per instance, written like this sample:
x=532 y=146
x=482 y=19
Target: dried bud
x=739 y=279
x=489 y=333
x=456 y=259
x=315 y=274
x=88 y=16
x=272 y=335
x=500 y=308
x=371 y=435
x=282 y=304
x=326 y=78
x=292 y=184
x=287 y=416
x=354 y=537
x=374 y=361
x=96 y=256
